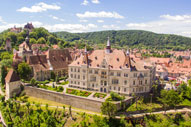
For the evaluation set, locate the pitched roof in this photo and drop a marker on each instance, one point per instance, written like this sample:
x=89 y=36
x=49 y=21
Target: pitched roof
x=12 y=76
x=115 y=60
x=59 y=58
x=38 y=62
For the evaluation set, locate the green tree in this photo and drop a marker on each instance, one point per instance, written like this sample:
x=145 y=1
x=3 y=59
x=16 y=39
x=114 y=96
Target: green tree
x=52 y=75
x=24 y=71
x=41 y=40
x=33 y=82
x=3 y=74
x=109 y=109
x=32 y=41
x=169 y=98
x=52 y=39
x=33 y=35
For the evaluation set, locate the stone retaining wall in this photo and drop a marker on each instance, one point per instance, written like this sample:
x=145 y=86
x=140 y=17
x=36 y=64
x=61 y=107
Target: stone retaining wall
x=74 y=101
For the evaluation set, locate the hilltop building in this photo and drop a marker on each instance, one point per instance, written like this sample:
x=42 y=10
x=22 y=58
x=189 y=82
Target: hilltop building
x=29 y=27
x=111 y=70
x=16 y=30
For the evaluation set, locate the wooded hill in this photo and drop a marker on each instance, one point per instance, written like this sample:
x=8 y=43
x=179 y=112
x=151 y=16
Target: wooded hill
x=119 y=39
x=131 y=38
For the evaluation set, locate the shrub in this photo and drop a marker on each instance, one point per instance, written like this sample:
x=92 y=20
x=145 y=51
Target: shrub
x=78 y=92
x=116 y=97
x=99 y=95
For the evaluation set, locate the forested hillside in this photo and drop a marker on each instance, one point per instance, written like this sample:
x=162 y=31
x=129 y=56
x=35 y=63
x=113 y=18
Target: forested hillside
x=119 y=39
x=132 y=38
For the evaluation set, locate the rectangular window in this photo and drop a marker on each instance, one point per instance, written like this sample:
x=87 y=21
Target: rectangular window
x=125 y=82
x=78 y=70
x=118 y=88
x=125 y=75
x=71 y=69
x=78 y=76
x=118 y=74
x=124 y=89
x=84 y=71
x=115 y=81
x=111 y=73
x=145 y=81
x=103 y=73
x=135 y=74
x=92 y=78
x=134 y=82
x=71 y=75
x=90 y=71
x=96 y=72
x=84 y=77
x=145 y=74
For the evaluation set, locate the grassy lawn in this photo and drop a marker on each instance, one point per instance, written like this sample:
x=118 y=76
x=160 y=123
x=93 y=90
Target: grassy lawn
x=55 y=88
x=100 y=95
x=53 y=103
x=186 y=102
x=63 y=83
x=143 y=106
x=78 y=92
x=44 y=102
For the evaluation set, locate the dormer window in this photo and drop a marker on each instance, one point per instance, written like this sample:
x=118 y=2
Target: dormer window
x=78 y=62
x=97 y=65
x=118 y=59
x=96 y=58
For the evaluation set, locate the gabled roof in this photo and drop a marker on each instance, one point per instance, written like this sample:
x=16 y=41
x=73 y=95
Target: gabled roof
x=12 y=76
x=59 y=58
x=38 y=62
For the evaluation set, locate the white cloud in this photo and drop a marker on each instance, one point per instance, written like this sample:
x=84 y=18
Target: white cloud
x=55 y=27
x=176 y=17
x=83 y=20
x=40 y=7
x=70 y=27
x=178 y=24
x=100 y=21
x=101 y=14
x=85 y=2
x=2 y=21
x=56 y=18
x=110 y=27
x=95 y=1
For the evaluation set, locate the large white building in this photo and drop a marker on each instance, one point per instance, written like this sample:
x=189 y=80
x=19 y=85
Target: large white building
x=111 y=70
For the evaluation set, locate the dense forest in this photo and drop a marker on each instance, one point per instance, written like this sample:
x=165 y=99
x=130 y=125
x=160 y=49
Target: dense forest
x=119 y=39
x=131 y=38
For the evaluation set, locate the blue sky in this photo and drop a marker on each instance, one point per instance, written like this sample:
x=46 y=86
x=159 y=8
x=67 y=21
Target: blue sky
x=160 y=16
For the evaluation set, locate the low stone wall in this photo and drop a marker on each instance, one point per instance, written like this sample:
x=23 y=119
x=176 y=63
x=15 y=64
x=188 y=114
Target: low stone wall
x=74 y=101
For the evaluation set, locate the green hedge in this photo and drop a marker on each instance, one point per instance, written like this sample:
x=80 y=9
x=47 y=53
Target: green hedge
x=78 y=92
x=53 y=88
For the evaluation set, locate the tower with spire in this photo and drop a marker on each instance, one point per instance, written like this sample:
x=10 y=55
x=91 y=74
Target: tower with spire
x=85 y=59
x=108 y=47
